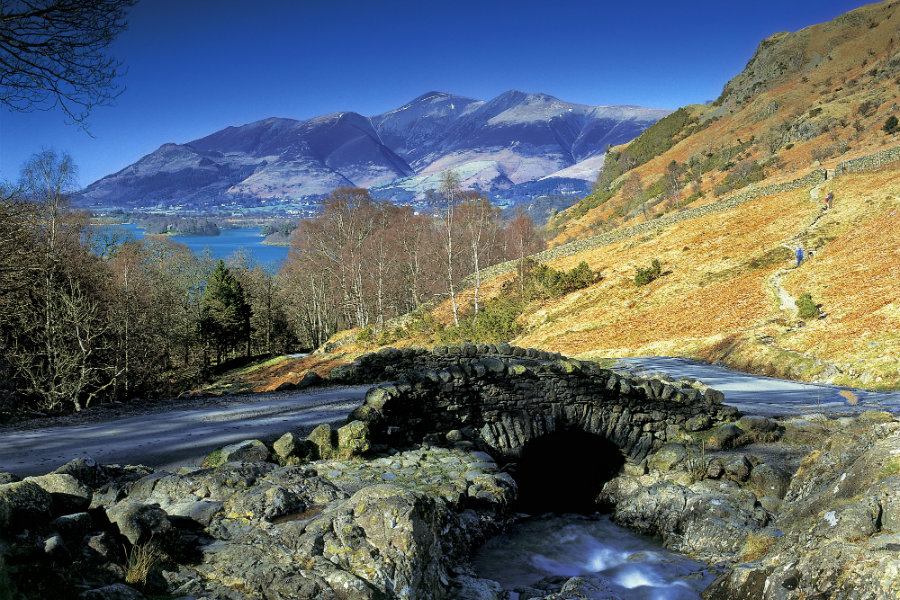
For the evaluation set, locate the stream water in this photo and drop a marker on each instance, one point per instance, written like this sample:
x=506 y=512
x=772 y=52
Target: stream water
x=535 y=556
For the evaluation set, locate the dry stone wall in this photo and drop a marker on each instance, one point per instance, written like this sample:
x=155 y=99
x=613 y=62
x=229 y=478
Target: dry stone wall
x=886 y=159
x=502 y=397
x=576 y=246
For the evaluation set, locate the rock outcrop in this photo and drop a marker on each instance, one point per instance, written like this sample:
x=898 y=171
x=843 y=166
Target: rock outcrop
x=396 y=526
x=828 y=530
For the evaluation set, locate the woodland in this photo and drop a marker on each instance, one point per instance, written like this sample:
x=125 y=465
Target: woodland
x=88 y=315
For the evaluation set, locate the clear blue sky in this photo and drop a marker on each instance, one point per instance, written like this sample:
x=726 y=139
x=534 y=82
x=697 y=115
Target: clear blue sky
x=197 y=66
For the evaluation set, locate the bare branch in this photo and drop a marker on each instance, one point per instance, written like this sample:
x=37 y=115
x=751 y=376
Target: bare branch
x=52 y=54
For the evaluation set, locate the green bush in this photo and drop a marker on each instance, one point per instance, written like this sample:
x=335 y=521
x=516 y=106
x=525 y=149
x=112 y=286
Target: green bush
x=892 y=125
x=807 y=307
x=365 y=336
x=545 y=282
x=643 y=276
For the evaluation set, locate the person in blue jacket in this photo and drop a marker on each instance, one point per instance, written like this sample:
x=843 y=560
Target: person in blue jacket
x=799 y=255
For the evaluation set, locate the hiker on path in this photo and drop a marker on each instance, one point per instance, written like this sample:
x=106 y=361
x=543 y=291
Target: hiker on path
x=828 y=199
x=799 y=255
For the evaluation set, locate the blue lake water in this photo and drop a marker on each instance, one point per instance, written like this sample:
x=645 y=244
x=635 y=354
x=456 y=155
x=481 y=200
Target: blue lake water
x=225 y=244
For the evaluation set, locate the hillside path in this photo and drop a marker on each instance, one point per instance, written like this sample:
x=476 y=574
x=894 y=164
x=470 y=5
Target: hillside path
x=786 y=302
x=172 y=438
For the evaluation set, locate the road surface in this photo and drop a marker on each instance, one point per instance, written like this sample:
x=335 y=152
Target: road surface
x=766 y=396
x=175 y=438
x=183 y=437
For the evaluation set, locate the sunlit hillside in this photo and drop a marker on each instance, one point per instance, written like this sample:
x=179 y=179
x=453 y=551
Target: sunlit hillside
x=815 y=97
x=729 y=290
x=695 y=193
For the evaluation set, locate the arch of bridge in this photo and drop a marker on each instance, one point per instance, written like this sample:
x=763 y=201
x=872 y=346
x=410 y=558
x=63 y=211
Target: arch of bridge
x=503 y=397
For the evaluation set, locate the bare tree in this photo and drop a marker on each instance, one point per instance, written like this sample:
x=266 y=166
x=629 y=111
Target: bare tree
x=524 y=241
x=19 y=255
x=478 y=220
x=674 y=170
x=445 y=202
x=52 y=53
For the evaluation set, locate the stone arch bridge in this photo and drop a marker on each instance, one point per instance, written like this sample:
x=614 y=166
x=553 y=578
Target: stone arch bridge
x=503 y=397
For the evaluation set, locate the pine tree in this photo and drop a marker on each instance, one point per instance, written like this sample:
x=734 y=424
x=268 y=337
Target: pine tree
x=224 y=313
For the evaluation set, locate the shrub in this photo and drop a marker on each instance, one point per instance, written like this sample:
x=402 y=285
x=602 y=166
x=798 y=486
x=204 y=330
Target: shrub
x=643 y=276
x=892 y=125
x=807 y=307
x=365 y=336
x=542 y=281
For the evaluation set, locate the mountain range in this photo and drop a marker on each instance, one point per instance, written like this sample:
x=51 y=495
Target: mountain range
x=515 y=146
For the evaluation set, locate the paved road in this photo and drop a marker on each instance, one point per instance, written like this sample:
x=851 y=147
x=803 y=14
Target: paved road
x=184 y=437
x=176 y=438
x=767 y=396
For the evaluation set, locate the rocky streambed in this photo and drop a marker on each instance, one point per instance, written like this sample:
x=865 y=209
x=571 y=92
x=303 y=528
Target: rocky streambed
x=789 y=509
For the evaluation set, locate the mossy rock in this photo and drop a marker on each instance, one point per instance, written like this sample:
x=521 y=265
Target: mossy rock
x=246 y=451
x=353 y=439
x=23 y=504
x=292 y=449
x=325 y=440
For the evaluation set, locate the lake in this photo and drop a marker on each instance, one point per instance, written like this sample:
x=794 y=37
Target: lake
x=224 y=244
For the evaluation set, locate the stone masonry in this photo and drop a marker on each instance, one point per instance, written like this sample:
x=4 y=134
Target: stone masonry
x=502 y=397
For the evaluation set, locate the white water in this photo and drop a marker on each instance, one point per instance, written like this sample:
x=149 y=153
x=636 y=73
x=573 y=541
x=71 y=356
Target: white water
x=615 y=562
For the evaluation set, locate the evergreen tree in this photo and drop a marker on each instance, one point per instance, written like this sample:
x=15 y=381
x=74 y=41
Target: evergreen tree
x=224 y=313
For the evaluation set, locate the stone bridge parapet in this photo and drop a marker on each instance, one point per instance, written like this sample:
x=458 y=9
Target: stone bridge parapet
x=502 y=397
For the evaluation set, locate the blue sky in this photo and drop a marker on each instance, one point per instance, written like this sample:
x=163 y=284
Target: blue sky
x=197 y=66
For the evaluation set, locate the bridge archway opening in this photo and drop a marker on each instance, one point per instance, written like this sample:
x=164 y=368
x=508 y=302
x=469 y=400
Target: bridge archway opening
x=564 y=471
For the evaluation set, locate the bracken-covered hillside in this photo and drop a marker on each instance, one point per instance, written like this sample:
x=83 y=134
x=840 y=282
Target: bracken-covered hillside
x=820 y=95
x=730 y=289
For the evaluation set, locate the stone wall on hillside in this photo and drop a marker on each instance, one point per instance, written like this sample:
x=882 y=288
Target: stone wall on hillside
x=504 y=397
x=604 y=239
x=886 y=159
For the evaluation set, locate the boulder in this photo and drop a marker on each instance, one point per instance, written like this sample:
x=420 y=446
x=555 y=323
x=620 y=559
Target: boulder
x=402 y=540
x=761 y=424
x=724 y=437
x=324 y=439
x=73 y=526
x=246 y=451
x=855 y=521
x=769 y=480
x=708 y=518
x=738 y=468
x=667 y=457
x=86 y=470
x=139 y=523
x=69 y=495
x=353 y=438
x=292 y=448
x=309 y=379
x=379 y=397
x=698 y=423
x=23 y=505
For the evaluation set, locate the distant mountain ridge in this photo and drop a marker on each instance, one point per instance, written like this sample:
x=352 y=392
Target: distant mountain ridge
x=517 y=144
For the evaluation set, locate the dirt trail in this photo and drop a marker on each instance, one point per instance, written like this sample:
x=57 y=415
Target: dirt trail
x=786 y=302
